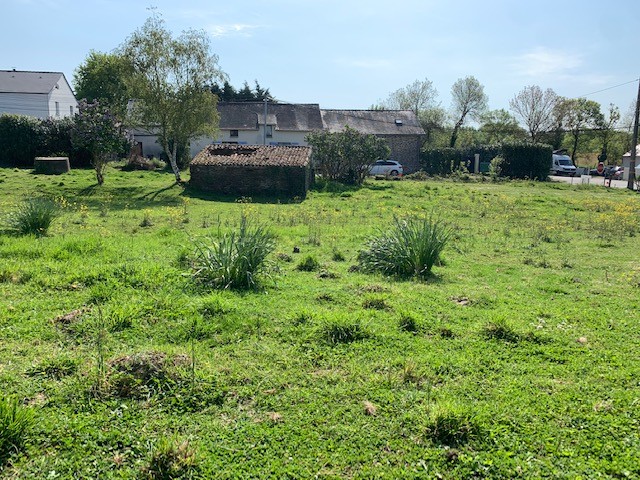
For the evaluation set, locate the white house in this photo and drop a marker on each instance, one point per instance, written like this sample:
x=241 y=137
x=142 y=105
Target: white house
x=36 y=94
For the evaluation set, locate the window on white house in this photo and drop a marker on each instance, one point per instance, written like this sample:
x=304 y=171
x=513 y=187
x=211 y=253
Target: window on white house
x=233 y=133
x=71 y=110
x=269 y=131
x=57 y=109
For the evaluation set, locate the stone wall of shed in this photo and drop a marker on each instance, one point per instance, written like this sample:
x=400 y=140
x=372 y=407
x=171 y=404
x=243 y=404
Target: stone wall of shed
x=406 y=150
x=247 y=180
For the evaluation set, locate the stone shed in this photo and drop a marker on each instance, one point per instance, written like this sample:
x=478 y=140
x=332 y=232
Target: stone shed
x=253 y=170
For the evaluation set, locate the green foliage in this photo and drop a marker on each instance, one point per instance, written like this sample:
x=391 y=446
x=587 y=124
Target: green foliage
x=345 y=156
x=33 y=217
x=235 y=260
x=170 y=80
x=445 y=161
x=97 y=130
x=20 y=139
x=56 y=141
x=526 y=160
x=102 y=77
x=15 y=422
x=227 y=93
x=410 y=248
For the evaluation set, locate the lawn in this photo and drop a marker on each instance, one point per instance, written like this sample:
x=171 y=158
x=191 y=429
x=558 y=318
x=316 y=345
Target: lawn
x=518 y=357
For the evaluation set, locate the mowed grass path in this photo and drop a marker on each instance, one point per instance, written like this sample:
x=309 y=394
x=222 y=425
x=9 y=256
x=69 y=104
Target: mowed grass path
x=518 y=358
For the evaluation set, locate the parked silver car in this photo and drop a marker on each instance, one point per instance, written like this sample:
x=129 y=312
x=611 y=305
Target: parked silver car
x=388 y=168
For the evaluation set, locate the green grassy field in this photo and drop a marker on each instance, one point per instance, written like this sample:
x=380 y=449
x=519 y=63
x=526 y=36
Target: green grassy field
x=518 y=358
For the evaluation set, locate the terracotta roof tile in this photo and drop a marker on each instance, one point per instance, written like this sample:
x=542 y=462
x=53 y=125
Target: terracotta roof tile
x=253 y=156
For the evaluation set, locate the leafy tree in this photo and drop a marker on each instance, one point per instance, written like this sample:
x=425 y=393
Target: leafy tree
x=227 y=93
x=468 y=101
x=345 y=156
x=497 y=126
x=417 y=96
x=607 y=129
x=102 y=77
x=170 y=81
x=577 y=115
x=420 y=97
x=98 y=131
x=535 y=108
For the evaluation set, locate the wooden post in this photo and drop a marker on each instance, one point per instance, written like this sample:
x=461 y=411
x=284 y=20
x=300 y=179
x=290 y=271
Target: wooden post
x=634 y=143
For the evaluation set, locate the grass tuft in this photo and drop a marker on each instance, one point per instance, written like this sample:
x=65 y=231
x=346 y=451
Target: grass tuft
x=339 y=331
x=451 y=425
x=236 y=260
x=410 y=248
x=15 y=421
x=308 y=264
x=33 y=217
x=169 y=459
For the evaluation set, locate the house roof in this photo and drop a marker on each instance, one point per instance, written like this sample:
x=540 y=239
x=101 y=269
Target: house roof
x=628 y=154
x=376 y=122
x=253 y=156
x=15 y=81
x=283 y=116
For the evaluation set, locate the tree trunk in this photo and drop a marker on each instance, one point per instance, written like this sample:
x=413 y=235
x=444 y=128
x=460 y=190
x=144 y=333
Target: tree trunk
x=172 y=158
x=454 y=134
x=576 y=136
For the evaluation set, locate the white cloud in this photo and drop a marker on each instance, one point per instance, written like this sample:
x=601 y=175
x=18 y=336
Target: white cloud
x=236 y=29
x=543 y=63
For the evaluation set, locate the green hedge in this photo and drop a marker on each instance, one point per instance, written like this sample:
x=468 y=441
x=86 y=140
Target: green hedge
x=520 y=160
x=525 y=160
x=20 y=139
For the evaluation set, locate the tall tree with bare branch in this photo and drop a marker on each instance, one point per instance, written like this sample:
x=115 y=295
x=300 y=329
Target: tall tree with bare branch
x=535 y=109
x=468 y=101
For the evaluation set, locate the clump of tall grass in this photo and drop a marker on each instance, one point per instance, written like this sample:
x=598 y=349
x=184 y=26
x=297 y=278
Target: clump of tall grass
x=171 y=458
x=15 y=420
x=342 y=330
x=235 y=260
x=33 y=217
x=451 y=425
x=410 y=248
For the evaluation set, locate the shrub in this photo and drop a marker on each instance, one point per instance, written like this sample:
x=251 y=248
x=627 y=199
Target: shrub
x=20 y=137
x=15 y=421
x=525 y=160
x=33 y=217
x=409 y=249
x=236 y=260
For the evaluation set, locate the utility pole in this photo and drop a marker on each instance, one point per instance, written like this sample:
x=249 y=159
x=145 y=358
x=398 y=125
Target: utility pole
x=634 y=143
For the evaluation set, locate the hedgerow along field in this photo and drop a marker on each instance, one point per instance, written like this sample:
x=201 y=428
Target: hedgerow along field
x=517 y=357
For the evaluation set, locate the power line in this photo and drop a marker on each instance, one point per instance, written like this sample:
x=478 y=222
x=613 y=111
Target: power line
x=610 y=88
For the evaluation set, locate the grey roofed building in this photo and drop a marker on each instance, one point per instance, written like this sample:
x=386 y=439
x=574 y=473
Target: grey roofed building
x=12 y=81
x=401 y=129
x=283 y=116
x=36 y=94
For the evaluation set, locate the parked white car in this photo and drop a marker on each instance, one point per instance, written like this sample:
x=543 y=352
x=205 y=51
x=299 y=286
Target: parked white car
x=388 y=168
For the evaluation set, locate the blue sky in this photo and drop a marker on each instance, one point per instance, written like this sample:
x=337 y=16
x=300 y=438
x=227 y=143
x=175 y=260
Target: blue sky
x=353 y=53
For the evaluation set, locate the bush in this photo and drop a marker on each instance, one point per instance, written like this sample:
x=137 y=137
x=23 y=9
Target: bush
x=20 y=139
x=56 y=141
x=525 y=160
x=14 y=423
x=33 y=217
x=234 y=261
x=409 y=249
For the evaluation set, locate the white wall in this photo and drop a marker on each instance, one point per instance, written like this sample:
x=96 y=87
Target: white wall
x=256 y=137
x=68 y=106
x=31 y=104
